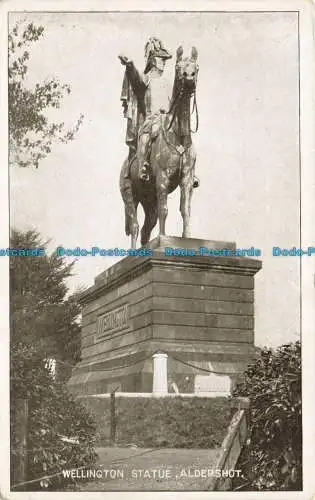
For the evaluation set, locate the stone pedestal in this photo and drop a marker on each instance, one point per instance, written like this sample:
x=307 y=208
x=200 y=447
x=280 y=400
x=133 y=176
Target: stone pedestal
x=199 y=310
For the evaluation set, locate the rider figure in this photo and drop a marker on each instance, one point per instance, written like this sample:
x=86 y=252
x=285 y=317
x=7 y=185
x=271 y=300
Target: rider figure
x=144 y=97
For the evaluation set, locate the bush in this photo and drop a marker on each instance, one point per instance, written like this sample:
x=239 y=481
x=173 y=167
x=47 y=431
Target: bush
x=272 y=460
x=53 y=417
x=177 y=422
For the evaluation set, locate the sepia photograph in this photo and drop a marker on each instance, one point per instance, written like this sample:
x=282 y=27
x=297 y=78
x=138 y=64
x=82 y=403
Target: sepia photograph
x=157 y=194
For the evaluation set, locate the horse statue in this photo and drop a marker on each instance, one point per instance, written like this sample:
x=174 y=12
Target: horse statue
x=172 y=160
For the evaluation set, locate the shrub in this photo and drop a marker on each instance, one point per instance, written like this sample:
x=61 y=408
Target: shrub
x=272 y=460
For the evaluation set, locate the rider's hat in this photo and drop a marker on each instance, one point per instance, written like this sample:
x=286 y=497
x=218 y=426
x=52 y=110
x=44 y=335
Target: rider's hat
x=154 y=48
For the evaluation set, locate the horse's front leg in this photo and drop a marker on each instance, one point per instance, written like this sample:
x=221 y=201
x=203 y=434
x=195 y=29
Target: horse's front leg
x=186 y=189
x=162 y=183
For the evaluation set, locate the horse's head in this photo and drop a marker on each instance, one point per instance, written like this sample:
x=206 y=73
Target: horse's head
x=187 y=70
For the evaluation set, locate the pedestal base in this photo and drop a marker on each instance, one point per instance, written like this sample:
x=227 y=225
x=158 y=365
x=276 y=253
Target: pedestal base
x=197 y=310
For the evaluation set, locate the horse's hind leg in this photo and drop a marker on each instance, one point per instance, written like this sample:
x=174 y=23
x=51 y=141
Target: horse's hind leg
x=133 y=224
x=131 y=221
x=150 y=210
x=162 y=192
x=127 y=222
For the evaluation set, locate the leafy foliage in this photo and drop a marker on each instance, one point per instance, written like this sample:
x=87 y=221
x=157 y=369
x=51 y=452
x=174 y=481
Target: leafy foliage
x=272 y=460
x=164 y=422
x=53 y=417
x=44 y=323
x=41 y=312
x=31 y=134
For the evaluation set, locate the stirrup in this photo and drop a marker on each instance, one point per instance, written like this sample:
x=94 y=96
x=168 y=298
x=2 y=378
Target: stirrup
x=196 y=182
x=143 y=175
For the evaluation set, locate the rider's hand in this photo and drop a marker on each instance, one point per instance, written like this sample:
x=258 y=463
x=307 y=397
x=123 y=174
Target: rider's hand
x=123 y=59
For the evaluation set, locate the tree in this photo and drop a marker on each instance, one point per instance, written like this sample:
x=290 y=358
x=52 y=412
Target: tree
x=44 y=323
x=272 y=459
x=42 y=313
x=31 y=134
x=60 y=430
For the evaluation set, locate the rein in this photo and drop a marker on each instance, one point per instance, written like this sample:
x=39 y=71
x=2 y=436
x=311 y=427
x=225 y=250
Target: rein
x=180 y=150
x=195 y=107
x=174 y=107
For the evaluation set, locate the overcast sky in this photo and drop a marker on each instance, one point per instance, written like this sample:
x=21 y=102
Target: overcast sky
x=247 y=143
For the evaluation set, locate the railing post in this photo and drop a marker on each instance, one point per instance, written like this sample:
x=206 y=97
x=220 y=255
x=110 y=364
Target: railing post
x=113 y=416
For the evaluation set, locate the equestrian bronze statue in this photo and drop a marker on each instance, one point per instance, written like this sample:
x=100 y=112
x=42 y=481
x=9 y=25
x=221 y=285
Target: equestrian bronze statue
x=161 y=154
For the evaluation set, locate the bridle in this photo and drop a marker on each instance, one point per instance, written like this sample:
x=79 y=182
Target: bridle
x=176 y=103
x=172 y=112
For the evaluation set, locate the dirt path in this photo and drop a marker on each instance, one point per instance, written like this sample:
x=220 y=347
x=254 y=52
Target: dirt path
x=139 y=469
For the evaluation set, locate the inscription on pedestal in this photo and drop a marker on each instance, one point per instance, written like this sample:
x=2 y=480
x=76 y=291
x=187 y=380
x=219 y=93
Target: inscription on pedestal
x=113 y=321
x=212 y=383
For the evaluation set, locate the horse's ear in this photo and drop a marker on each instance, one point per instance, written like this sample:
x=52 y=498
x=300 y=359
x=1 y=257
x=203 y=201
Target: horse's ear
x=179 y=53
x=194 y=53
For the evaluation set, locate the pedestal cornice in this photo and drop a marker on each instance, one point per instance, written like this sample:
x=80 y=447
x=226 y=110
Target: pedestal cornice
x=129 y=268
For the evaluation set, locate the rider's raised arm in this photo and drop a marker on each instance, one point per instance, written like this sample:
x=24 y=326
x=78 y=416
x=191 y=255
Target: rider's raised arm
x=133 y=74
